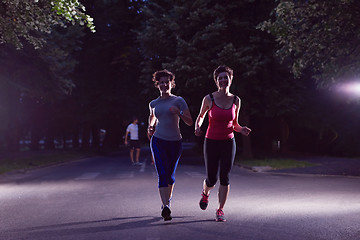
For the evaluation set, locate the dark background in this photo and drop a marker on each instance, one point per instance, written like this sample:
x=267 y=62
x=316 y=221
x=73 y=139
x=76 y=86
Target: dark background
x=82 y=89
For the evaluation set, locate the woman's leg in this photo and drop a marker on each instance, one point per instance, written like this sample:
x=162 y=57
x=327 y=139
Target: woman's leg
x=226 y=164
x=206 y=189
x=158 y=149
x=223 y=194
x=166 y=155
x=211 y=157
x=174 y=151
x=166 y=194
x=159 y=153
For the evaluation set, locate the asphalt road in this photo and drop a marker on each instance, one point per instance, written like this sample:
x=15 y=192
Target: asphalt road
x=107 y=198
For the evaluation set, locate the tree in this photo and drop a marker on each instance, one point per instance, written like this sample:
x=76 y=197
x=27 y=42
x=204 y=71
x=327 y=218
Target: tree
x=320 y=37
x=29 y=19
x=107 y=90
x=45 y=31
x=35 y=78
x=319 y=41
x=191 y=38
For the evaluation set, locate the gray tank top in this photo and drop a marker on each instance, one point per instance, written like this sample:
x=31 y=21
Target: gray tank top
x=167 y=127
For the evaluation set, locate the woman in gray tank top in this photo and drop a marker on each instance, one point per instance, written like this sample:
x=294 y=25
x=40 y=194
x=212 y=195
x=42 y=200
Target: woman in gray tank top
x=166 y=140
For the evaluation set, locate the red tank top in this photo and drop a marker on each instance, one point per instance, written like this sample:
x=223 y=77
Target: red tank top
x=220 y=121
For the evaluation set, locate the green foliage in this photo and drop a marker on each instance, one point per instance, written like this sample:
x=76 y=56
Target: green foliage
x=32 y=77
x=43 y=73
x=72 y=11
x=29 y=19
x=107 y=88
x=191 y=38
x=318 y=36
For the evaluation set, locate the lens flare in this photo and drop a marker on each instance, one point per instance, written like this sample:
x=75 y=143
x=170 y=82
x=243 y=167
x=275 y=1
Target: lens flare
x=351 y=89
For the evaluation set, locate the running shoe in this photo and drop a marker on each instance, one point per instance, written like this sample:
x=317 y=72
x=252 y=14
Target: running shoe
x=166 y=213
x=220 y=217
x=204 y=201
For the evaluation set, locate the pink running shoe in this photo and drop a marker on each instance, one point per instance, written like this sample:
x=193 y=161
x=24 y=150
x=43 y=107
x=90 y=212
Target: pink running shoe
x=204 y=201
x=220 y=217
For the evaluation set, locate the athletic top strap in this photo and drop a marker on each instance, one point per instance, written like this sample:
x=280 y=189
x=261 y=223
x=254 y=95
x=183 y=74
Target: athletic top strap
x=212 y=97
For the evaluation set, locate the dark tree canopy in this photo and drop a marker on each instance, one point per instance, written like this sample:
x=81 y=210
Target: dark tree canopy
x=192 y=38
x=320 y=37
x=29 y=19
x=61 y=81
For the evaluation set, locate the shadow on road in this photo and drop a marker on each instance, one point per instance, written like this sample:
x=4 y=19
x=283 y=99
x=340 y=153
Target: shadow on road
x=116 y=224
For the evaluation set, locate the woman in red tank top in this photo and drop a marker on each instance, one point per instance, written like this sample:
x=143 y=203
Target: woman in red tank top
x=219 y=145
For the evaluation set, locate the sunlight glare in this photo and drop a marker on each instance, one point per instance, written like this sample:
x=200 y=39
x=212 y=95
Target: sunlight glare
x=350 y=88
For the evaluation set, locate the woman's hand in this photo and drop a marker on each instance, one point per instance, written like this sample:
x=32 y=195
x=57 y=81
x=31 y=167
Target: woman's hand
x=150 y=131
x=175 y=110
x=245 y=131
x=198 y=132
x=184 y=115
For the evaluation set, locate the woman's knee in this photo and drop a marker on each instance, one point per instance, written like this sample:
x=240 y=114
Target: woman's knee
x=165 y=181
x=224 y=181
x=210 y=182
x=162 y=181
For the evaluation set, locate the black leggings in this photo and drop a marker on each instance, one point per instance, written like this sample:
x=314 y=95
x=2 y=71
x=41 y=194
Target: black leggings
x=219 y=153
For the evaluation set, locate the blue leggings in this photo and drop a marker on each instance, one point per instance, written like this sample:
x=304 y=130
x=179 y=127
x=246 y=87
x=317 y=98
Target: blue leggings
x=219 y=154
x=166 y=155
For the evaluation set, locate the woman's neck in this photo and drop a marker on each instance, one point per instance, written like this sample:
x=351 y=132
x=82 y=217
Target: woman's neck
x=224 y=91
x=165 y=95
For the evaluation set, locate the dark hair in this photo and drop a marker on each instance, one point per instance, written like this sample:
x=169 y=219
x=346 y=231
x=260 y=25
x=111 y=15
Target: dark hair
x=163 y=73
x=223 y=68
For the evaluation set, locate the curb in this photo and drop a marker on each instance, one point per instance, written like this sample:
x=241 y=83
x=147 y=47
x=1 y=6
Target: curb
x=256 y=168
x=270 y=170
x=34 y=168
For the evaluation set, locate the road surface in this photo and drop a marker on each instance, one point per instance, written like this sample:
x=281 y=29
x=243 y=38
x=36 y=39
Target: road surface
x=107 y=198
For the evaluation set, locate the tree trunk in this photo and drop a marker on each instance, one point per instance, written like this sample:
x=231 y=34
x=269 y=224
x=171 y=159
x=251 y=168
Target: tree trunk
x=85 y=141
x=112 y=138
x=75 y=138
x=49 y=140
x=12 y=138
x=95 y=137
x=35 y=138
x=12 y=133
x=284 y=136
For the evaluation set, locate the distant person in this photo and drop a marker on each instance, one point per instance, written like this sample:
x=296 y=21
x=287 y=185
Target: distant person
x=166 y=140
x=134 y=144
x=219 y=143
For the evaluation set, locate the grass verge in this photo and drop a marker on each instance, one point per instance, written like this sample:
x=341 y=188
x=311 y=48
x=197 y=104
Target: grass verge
x=275 y=163
x=28 y=160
